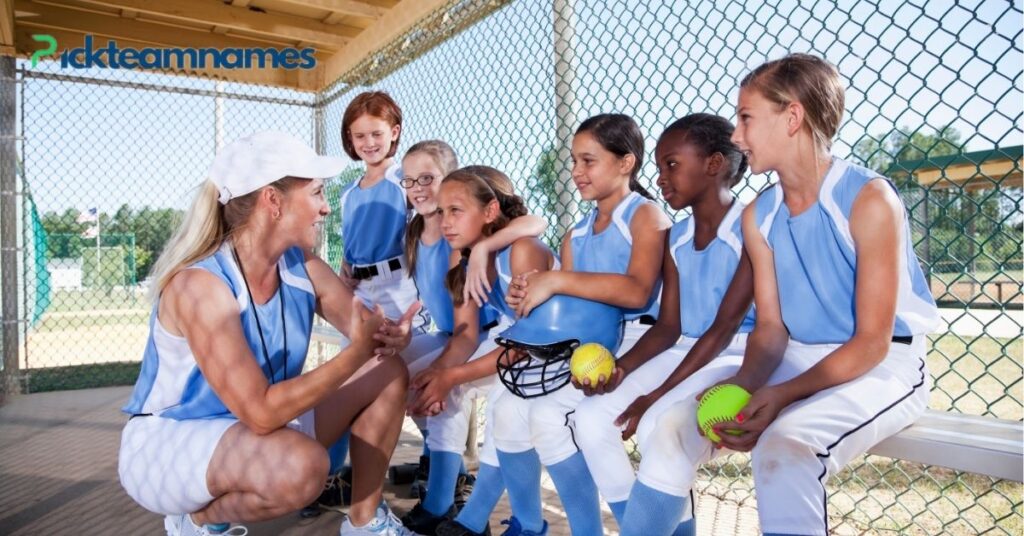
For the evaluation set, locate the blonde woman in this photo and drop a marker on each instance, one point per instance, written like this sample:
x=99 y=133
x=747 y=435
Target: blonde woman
x=224 y=426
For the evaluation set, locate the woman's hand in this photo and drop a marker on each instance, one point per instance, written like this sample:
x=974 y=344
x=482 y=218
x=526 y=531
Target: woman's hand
x=602 y=385
x=396 y=336
x=529 y=290
x=363 y=329
x=477 y=287
x=432 y=386
x=752 y=420
x=631 y=417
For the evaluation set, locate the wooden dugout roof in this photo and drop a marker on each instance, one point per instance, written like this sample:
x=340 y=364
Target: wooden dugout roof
x=343 y=33
x=977 y=170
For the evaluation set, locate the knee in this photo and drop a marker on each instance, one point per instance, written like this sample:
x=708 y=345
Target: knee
x=303 y=473
x=780 y=445
x=396 y=375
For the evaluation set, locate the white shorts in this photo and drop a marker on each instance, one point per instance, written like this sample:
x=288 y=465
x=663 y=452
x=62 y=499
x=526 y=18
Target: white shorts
x=394 y=292
x=163 y=462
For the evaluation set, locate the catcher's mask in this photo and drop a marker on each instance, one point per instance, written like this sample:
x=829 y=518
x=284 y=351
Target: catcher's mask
x=537 y=348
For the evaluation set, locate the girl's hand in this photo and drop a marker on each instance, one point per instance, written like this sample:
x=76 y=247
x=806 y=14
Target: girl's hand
x=530 y=290
x=751 y=422
x=477 y=287
x=396 y=336
x=346 y=276
x=432 y=385
x=603 y=385
x=631 y=417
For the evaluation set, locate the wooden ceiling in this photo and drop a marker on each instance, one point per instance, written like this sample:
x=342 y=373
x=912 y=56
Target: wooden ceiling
x=343 y=32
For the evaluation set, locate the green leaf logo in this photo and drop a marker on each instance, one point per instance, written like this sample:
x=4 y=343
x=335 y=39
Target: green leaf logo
x=50 y=49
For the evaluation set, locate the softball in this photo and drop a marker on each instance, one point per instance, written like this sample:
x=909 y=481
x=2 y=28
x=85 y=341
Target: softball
x=720 y=404
x=591 y=361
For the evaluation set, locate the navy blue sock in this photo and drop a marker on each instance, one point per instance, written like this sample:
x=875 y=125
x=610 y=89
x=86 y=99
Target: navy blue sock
x=618 y=510
x=338 y=452
x=486 y=493
x=521 y=471
x=444 y=471
x=578 y=492
x=651 y=512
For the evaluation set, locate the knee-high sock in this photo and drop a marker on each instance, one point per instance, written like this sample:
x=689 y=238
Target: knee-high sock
x=521 y=471
x=426 y=449
x=444 y=471
x=651 y=512
x=486 y=493
x=686 y=528
x=618 y=510
x=578 y=492
x=338 y=452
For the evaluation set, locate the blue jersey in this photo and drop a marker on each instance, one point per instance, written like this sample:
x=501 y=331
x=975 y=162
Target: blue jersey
x=503 y=265
x=816 y=263
x=609 y=251
x=431 y=269
x=373 y=219
x=705 y=275
x=171 y=384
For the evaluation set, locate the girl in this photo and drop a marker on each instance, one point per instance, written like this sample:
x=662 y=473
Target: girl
x=836 y=358
x=430 y=257
x=475 y=203
x=224 y=426
x=374 y=208
x=701 y=299
x=613 y=256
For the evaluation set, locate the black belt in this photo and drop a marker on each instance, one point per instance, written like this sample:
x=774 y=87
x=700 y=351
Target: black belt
x=903 y=339
x=366 y=272
x=647 y=320
x=140 y=415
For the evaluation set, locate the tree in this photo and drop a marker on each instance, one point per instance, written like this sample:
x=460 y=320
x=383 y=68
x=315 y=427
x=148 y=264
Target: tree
x=542 y=191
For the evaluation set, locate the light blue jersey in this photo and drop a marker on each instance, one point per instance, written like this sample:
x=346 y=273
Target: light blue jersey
x=705 y=275
x=373 y=219
x=609 y=251
x=171 y=384
x=431 y=269
x=816 y=263
x=503 y=265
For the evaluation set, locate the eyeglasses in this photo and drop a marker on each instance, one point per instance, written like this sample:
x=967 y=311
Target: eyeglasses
x=422 y=181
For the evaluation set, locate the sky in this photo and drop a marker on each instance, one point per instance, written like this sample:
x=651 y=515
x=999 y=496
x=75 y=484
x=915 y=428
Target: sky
x=490 y=91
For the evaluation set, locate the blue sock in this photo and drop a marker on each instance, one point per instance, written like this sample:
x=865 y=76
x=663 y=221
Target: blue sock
x=521 y=471
x=338 y=452
x=618 y=510
x=686 y=528
x=651 y=512
x=578 y=492
x=426 y=450
x=444 y=471
x=486 y=493
x=217 y=527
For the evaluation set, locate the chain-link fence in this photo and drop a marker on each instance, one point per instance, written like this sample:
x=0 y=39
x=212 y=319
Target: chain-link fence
x=934 y=100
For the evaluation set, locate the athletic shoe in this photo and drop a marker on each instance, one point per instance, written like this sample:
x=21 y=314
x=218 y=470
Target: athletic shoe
x=182 y=525
x=450 y=527
x=421 y=521
x=515 y=529
x=336 y=494
x=385 y=524
x=463 y=489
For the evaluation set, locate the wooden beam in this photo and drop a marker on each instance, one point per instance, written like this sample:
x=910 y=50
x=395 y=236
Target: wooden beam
x=7 y=29
x=342 y=7
x=273 y=25
x=292 y=79
x=53 y=18
x=1004 y=171
x=399 y=20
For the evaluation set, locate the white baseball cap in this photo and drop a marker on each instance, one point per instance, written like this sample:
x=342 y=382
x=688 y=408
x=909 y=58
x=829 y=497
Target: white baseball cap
x=248 y=164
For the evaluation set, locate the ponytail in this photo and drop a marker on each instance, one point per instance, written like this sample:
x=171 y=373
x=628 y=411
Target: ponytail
x=635 y=186
x=412 y=240
x=455 y=279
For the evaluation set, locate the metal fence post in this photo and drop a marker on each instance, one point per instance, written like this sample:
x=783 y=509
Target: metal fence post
x=565 y=107
x=9 y=226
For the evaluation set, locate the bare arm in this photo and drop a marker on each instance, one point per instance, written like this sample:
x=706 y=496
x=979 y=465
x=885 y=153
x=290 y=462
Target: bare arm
x=333 y=297
x=477 y=280
x=206 y=313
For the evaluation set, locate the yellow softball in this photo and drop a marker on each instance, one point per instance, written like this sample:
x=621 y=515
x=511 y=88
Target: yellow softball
x=591 y=361
x=720 y=404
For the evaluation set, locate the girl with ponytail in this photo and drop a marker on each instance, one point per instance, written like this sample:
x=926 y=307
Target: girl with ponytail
x=457 y=338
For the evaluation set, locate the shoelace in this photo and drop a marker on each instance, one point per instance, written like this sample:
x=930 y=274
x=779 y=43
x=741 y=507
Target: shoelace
x=232 y=532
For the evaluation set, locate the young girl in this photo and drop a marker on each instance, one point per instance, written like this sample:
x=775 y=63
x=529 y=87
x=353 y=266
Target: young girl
x=430 y=259
x=836 y=358
x=613 y=256
x=701 y=300
x=475 y=203
x=374 y=208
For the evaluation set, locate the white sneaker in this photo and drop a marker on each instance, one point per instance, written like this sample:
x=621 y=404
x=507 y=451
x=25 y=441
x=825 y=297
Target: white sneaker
x=182 y=525
x=385 y=524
